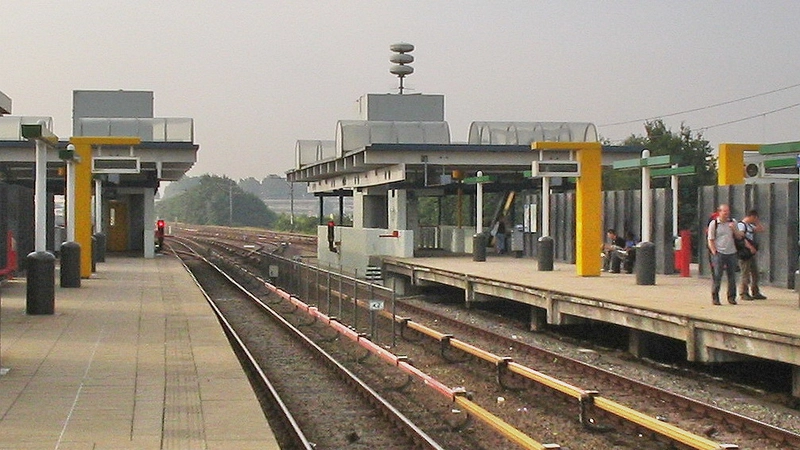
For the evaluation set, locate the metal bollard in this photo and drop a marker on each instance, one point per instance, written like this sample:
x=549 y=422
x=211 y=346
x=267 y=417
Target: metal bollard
x=545 y=253
x=70 y=265
x=41 y=283
x=94 y=254
x=100 y=247
x=646 y=263
x=479 y=247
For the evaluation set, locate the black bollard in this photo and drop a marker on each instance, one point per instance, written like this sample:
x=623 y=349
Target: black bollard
x=41 y=283
x=479 y=247
x=544 y=252
x=70 y=265
x=100 y=247
x=646 y=263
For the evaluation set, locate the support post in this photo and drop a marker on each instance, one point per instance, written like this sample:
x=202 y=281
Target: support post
x=100 y=237
x=40 y=288
x=479 y=205
x=647 y=200
x=673 y=184
x=70 y=276
x=588 y=203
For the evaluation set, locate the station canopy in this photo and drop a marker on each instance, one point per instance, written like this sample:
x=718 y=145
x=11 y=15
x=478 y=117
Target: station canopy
x=355 y=135
x=523 y=133
x=308 y=151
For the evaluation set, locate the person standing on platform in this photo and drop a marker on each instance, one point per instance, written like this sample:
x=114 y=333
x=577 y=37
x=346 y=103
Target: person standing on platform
x=748 y=287
x=500 y=236
x=722 y=232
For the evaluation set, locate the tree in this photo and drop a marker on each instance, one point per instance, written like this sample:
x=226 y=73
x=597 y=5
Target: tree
x=689 y=148
x=216 y=201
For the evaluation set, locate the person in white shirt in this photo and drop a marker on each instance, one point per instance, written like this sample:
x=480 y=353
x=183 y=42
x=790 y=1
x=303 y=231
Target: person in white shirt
x=721 y=234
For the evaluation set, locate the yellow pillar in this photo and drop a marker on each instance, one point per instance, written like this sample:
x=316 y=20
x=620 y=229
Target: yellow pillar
x=83 y=191
x=730 y=162
x=588 y=204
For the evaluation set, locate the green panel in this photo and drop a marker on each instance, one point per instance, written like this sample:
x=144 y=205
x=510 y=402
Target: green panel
x=527 y=174
x=663 y=160
x=31 y=131
x=776 y=149
x=670 y=171
x=653 y=161
x=627 y=164
x=778 y=163
x=476 y=180
x=66 y=154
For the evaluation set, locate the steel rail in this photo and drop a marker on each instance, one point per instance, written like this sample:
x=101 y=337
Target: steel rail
x=410 y=429
x=477 y=411
x=280 y=411
x=765 y=429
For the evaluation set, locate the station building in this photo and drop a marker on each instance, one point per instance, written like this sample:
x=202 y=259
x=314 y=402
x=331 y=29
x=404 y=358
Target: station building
x=127 y=153
x=400 y=153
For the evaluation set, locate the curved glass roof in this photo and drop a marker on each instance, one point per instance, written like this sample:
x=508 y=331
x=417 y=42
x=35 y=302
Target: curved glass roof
x=354 y=135
x=523 y=133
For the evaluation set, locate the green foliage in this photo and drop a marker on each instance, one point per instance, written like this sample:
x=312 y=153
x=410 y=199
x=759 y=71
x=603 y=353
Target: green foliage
x=691 y=150
x=302 y=224
x=216 y=200
x=176 y=188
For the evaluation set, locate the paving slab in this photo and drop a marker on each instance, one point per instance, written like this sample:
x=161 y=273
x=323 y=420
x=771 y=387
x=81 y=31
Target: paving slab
x=132 y=359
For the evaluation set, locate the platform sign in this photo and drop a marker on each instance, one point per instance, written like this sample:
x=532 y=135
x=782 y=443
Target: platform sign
x=375 y=305
x=116 y=164
x=555 y=168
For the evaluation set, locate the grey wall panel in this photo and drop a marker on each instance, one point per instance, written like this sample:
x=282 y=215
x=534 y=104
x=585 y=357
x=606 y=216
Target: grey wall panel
x=3 y=225
x=570 y=222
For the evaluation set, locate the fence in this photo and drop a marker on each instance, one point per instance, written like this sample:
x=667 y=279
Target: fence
x=621 y=210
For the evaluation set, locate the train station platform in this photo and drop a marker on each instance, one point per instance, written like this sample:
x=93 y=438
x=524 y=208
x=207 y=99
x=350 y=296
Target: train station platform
x=675 y=307
x=134 y=358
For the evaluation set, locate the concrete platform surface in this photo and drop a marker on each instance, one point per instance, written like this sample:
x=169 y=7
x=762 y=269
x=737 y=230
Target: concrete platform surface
x=675 y=307
x=134 y=359
x=672 y=294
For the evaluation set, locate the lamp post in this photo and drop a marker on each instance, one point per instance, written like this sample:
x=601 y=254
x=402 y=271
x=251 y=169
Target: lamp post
x=70 y=250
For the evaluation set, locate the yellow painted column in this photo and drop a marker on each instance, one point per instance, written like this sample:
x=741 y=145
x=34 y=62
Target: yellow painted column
x=730 y=163
x=588 y=204
x=83 y=192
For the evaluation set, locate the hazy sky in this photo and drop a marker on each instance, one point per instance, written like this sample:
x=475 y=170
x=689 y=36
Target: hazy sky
x=257 y=76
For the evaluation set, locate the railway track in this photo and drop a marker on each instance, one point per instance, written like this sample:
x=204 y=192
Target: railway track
x=484 y=343
x=310 y=397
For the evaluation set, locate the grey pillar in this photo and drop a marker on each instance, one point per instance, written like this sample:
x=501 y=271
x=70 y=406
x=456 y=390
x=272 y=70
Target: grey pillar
x=479 y=247
x=646 y=263
x=41 y=290
x=545 y=253
x=70 y=265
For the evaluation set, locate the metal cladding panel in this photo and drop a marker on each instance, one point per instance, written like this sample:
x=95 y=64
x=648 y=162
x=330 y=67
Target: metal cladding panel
x=402 y=108
x=111 y=104
x=3 y=225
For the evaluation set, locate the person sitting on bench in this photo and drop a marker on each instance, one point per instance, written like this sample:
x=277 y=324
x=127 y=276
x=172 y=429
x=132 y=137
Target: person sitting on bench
x=611 y=261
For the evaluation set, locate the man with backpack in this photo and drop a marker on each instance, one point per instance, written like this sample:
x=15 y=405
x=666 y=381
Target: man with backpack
x=722 y=233
x=748 y=287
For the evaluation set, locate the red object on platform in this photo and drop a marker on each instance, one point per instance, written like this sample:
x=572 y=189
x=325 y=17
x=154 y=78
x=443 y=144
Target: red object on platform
x=683 y=257
x=11 y=256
